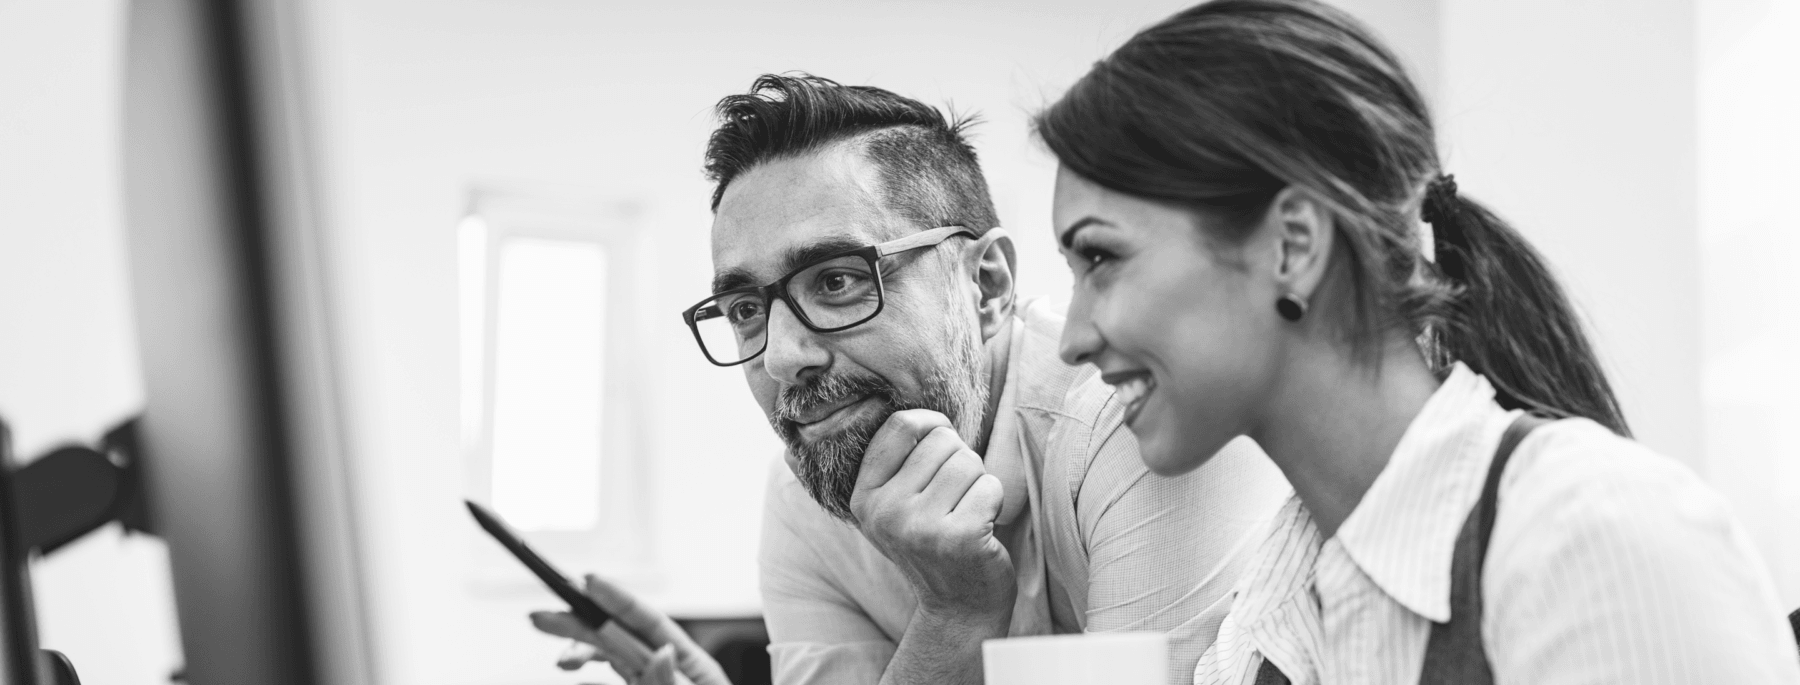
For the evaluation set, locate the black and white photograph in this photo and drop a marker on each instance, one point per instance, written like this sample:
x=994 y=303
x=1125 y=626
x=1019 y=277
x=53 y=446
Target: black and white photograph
x=899 y=342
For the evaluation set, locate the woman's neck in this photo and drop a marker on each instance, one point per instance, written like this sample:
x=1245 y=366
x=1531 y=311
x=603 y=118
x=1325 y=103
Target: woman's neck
x=1335 y=423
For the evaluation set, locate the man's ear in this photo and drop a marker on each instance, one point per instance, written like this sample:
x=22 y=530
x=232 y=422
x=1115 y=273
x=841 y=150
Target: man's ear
x=990 y=261
x=1304 y=232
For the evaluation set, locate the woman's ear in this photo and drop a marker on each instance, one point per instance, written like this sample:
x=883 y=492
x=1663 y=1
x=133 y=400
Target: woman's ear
x=990 y=262
x=1304 y=233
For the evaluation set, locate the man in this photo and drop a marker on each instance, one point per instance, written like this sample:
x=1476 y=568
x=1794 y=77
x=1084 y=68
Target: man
x=948 y=479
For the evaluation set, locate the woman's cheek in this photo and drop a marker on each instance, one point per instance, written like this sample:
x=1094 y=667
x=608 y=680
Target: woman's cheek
x=1134 y=312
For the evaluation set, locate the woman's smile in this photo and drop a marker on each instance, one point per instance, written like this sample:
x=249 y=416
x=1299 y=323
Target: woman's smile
x=1134 y=388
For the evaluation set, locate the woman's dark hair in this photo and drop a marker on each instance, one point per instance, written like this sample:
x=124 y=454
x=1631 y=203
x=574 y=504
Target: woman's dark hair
x=1221 y=106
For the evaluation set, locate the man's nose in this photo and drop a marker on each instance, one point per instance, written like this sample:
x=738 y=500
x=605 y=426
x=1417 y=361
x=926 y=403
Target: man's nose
x=793 y=353
x=1080 y=340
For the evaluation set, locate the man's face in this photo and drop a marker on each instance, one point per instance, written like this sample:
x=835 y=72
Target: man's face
x=827 y=393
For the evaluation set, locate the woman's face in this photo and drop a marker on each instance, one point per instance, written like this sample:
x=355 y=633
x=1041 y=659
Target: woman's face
x=1177 y=322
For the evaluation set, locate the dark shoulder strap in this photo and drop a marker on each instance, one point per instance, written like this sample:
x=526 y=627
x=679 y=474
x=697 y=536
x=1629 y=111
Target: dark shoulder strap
x=1268 y=674
x=1454 y=655
x=1794 y=620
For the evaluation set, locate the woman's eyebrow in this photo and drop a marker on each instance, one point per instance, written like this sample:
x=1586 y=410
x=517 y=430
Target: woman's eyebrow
x=1068 y=236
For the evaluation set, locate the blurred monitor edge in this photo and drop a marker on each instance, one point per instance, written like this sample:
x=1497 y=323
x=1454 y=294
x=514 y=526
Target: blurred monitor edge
x=240 y=432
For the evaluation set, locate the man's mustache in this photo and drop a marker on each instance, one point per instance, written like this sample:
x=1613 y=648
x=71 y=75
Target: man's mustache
x=826 y=390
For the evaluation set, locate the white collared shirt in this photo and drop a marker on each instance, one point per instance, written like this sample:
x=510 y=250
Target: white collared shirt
x=1098 y=543
x=1608 y=564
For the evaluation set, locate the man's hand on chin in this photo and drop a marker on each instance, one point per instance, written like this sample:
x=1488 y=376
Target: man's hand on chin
x=924 y=499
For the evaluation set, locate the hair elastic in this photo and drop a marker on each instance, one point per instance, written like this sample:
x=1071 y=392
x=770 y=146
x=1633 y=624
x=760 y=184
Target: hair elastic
x=1440 y=209
x=1440 y=200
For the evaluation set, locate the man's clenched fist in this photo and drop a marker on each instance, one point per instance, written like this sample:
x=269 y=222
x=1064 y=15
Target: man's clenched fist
x=924 y=499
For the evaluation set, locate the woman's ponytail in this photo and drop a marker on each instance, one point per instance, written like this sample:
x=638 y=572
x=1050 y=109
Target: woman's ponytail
x=1510 y=320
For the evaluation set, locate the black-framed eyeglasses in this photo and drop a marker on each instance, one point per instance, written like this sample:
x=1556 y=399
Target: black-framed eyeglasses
x=830 y=295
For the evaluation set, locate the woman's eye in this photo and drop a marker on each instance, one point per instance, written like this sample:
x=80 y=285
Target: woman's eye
x=1093 y=257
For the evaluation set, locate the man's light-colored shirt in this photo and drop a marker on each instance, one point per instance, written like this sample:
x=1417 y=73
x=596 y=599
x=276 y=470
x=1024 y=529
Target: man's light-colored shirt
x=1608 y=564
x=1097 y=542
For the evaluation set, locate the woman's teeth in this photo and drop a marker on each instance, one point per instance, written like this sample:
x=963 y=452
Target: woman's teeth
x=1133 y=390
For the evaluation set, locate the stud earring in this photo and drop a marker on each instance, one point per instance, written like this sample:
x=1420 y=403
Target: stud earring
x=1290 y=307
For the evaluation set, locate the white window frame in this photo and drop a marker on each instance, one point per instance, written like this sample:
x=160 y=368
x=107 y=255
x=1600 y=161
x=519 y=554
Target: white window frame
x=618 y=546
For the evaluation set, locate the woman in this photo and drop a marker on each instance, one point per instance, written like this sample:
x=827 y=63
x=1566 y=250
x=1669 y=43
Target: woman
x=1240 y=198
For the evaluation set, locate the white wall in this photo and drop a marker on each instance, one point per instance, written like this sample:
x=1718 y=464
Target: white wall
x=1749 y=85
x=1575 y=121
x=68 y=362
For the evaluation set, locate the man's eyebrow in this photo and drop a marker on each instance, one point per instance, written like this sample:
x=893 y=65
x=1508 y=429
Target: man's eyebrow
x=829 y=246
x=824 y=248
x=732 y=279
x=1068 y=236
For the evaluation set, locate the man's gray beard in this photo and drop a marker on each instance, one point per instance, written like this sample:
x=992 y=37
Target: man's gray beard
x=827 y=467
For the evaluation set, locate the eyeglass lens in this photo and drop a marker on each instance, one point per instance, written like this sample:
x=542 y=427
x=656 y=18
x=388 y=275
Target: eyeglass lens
x=833 y=294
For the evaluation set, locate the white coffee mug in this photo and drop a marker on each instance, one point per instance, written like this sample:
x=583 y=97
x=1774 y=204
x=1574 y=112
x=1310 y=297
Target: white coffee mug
x=1088 y=659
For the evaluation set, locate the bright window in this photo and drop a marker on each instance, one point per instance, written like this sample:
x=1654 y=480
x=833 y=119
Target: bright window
x=549 y=377
x=551 y=431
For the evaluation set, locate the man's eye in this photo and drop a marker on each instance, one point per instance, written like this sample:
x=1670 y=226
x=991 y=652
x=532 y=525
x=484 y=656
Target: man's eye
x=839 y=282
x=744 y=311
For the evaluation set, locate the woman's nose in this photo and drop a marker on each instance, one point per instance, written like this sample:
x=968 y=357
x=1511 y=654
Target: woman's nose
x=1080 y=342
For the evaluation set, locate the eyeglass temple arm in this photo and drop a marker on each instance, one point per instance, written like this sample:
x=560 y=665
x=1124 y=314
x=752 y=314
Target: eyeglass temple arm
x=924 y=238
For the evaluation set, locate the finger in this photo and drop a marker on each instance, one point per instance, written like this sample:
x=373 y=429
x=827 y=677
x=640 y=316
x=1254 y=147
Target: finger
x=982 y=501
x=563 y=624
x=927 y=457
x=642 y=619
x=578 y=654
x=891 y=444
x=661 y=670
x=952 y=482
x=624 y=607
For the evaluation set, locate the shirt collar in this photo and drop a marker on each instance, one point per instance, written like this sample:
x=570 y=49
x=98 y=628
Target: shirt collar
x=1403 y=532
x=1273 y=601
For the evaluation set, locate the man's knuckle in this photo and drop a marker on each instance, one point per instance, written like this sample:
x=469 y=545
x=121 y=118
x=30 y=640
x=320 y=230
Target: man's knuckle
x=964 y=465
